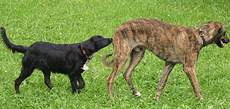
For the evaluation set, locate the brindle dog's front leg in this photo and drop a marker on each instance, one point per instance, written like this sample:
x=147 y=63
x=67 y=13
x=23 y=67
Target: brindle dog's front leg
x=136 y=57
x=167 y=69
x=190 y=72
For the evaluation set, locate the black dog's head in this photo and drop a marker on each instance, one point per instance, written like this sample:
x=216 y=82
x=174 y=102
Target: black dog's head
x=95 y=43
x=100 y=41
x=214 y=32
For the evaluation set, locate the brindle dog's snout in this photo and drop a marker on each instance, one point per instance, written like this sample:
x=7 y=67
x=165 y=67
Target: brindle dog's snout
x=225 y=40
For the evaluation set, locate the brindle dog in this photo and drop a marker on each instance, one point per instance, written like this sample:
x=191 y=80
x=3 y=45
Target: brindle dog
x=171 y=43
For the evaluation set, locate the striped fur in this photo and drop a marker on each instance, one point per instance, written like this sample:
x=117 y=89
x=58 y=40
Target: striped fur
x=172 y=43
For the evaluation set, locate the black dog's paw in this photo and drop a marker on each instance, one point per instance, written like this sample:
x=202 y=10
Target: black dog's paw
x=76 y=91
x=17 y=92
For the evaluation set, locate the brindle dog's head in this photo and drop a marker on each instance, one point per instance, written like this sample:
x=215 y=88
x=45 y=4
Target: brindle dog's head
x=213 y=32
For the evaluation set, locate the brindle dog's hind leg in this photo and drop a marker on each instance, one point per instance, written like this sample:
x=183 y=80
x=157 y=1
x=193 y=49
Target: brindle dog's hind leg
x=121 y=56
x=164 y=77
x=136 y=56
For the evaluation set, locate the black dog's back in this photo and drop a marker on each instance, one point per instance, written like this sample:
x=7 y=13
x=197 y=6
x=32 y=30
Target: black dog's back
x=59 y=58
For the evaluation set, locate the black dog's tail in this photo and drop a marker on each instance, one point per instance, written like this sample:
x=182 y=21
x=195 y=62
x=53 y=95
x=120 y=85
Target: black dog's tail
x=10 y=45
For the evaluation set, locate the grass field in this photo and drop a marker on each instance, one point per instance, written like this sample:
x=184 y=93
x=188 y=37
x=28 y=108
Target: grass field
x=70 y=21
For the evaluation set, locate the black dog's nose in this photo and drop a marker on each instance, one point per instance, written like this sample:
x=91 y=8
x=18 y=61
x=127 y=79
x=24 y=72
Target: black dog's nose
x=110 y=39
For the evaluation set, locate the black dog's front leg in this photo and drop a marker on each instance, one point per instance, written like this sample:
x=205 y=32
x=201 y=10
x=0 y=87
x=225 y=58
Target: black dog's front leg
x=73 y=81
x=81 y=82
x=47 y=79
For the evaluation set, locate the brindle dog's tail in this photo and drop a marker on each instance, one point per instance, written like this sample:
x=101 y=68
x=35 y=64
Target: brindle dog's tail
x=10 y=45
x=106 y=62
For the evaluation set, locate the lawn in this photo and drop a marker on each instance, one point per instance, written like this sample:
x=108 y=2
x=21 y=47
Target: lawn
x=71 y=21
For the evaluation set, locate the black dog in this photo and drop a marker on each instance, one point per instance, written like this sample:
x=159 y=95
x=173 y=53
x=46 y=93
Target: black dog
x=59 y=58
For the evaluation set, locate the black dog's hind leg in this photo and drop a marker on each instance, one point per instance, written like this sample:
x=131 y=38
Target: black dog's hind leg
x=47 y=79
x=25 y=72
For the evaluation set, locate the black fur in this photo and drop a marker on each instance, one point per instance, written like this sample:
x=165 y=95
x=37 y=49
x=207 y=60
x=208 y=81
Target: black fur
x=59 y=58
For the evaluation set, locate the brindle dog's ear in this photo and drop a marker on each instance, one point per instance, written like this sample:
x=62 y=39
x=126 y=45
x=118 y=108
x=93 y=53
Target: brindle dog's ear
x=225 y=34
x=220 y=30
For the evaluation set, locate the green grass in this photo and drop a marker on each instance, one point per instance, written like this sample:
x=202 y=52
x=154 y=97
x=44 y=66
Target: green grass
x=70 y=21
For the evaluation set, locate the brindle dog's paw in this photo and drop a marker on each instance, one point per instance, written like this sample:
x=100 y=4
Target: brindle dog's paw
x=137 y=94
